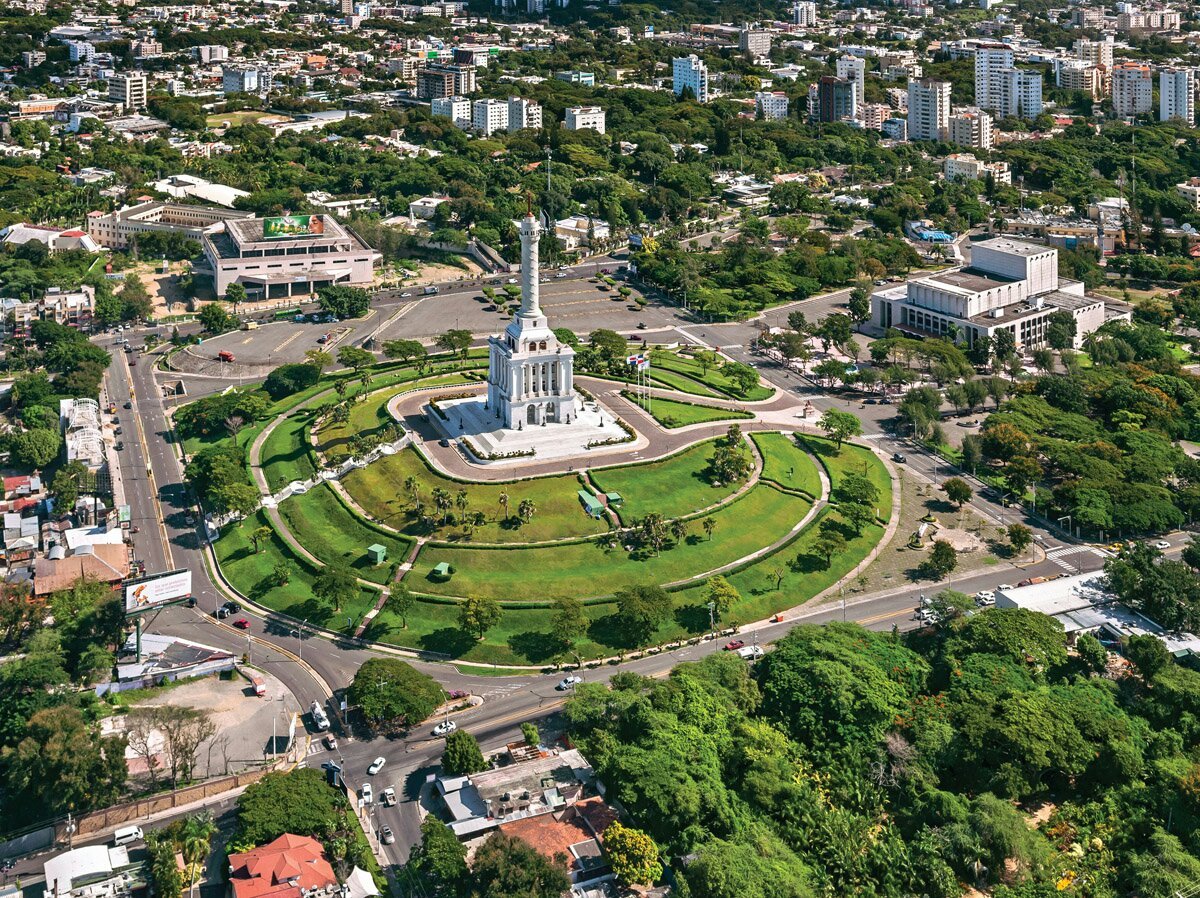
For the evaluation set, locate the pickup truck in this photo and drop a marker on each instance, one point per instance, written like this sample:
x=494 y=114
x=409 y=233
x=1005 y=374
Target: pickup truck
x=750 y=652
x=320 y=720
x=430 y=291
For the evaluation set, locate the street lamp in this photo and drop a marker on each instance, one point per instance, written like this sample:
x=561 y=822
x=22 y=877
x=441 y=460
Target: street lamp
x=712 y=624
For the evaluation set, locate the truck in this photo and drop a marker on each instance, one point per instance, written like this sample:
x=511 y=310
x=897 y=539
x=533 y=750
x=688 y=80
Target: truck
x=319 y=718
x=224 y=356
x=430 y=290
x=750 y=652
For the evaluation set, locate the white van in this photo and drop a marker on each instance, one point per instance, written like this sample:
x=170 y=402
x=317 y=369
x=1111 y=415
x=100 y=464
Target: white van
x=750 y=652
x=127 y=834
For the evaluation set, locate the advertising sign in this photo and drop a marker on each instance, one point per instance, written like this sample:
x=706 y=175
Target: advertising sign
x=160 y=589
x=285 y=226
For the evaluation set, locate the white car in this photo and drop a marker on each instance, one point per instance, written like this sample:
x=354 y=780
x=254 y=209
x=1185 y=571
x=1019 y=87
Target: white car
x=561 y=274
x=445 y=728
x=376 y=766
x=367 y=795
x=388 y=797
x=1162 y=544
x=386 y=836
x=405 y=295
x=985 y=599
x=568 y=682
x=751 y=652
x=1005 y=587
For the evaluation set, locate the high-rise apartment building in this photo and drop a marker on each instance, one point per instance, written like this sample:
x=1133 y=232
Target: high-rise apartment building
x=1091 y=79
x=489 y=116
x=1177 y=95
x=1098 y=53
x=1132 y=89
x=973 y=128
x=754 y=42
x=128 y=89
x=836 y=99
x=804 y=14
x=440 y=80
x=854 y=68
x=690 y=73
x=457 y=109
x=523 y=114
x=771 y=106
x=992 y=63
x=928 y=109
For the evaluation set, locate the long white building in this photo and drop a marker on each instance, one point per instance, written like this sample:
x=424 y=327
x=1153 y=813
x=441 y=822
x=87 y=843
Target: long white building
x=1010 y=285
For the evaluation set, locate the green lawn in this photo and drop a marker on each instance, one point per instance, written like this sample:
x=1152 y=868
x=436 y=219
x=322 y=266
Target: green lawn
x=379 y=489
x=674 y=381
x=371 y=415
x=787 y=464
x=285 y=452
x=713 y=378
x=672 y=414
x=672 y=487
x=851 y=459
x=761 y=516
x=326 y=528
x=252 y=573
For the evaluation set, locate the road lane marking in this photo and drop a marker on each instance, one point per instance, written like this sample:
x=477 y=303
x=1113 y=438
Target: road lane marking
x=294 y=336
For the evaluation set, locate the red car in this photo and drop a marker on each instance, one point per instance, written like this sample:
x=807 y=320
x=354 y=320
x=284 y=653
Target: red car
x=242 y=624
x=735 y=645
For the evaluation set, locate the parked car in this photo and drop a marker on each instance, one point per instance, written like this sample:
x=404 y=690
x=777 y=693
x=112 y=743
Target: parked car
x=734 y=645
x=242 y=624
x=1004 y=587
x=376 y=766
x=985 y=599
x=221 y=613
x=445 y=728
x=128 y=405
x=387 y=797
x=386 y=836
x=232 y=606
x=568 y=682
x=751 y=652
x=1162 y=544
x=330 y=742
x=368 y=795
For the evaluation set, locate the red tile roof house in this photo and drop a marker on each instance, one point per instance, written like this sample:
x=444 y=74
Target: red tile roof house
x=290 y=867
x=575 y=835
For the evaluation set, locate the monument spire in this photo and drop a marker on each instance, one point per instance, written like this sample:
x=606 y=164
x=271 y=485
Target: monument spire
x=531 y=232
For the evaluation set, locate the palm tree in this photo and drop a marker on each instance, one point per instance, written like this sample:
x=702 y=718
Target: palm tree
x=413 y=488
x=679 y=530
x=525 y=510
x=198 y=832
x=504 y=503
x=709 y=525
x=462 y=502
x=442 y=501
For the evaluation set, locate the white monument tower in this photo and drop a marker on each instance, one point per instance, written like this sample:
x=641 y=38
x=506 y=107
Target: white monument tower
x=530 y=374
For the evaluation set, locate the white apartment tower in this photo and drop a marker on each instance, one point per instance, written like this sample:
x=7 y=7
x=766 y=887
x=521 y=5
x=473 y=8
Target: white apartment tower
x=1097 y=53
x=1133 y=89
x=772 y=106
x=523 y=114
x=1177 y=95
x=973 y=128
x=128 y=89
x=804 y=14
x=690 y=72
x=580 y=118
x=854 y=68
x=457 y=109
x=489 y=116
x=992 y=63
x=928 y=109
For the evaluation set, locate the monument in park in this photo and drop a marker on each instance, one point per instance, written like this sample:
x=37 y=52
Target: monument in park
x=531 y=407
x=530 y=374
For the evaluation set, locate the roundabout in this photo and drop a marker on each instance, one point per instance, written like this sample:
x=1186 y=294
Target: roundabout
x=509 y=515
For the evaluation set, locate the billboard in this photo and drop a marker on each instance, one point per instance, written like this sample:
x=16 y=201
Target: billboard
x=159 y=589
x=285 y=226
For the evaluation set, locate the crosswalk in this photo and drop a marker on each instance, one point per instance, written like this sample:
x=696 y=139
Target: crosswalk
x=1058 y=556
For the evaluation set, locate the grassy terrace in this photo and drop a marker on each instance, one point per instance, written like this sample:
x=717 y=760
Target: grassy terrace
x=371 y=415
x=671 y=487
x=379 y=489
x=323 y=525
x=713 y=379
x=851 y=459
x=285 y=452
x=253 y=574
x=787 y=464
x=672 y=414
x=584 y=569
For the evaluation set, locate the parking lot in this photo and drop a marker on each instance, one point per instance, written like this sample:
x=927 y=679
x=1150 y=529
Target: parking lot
x=574 y=303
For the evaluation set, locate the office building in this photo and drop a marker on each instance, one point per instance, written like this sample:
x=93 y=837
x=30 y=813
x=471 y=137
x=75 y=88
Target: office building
x=771 y=105
x=854 y=68
x=292 y=256
x=1132 y=89
x=690 y=73
x=246 y=79
x=128 y=89
x=1010 y=285
x=1177 y=95
x=754 y=42
x=973 y=128
x=117 y=230
x=523 y=114
x=457 y=109
x=489 y=116
x=440 y=80
x=804 y=14
x=579 y=118
x=928 y=109
x=584 y=79
x=836 y=99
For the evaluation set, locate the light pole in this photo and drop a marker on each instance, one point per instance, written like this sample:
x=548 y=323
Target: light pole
x=712 y=623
